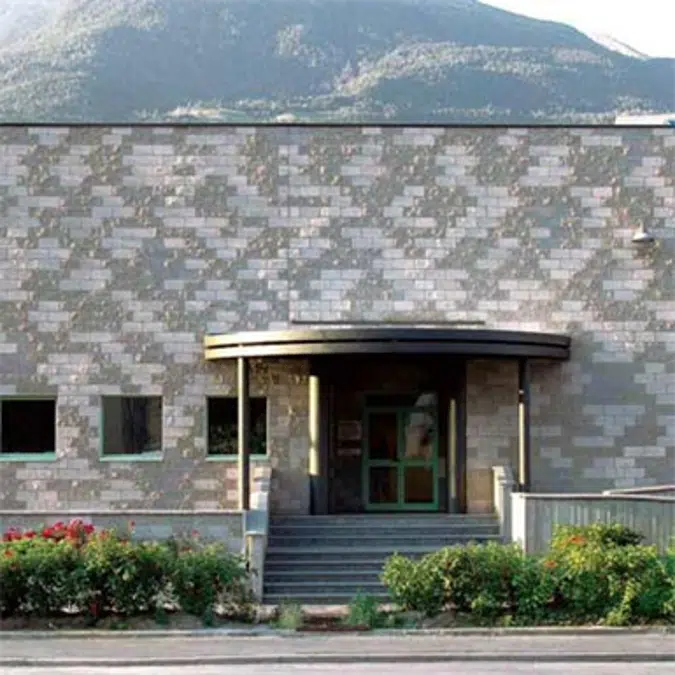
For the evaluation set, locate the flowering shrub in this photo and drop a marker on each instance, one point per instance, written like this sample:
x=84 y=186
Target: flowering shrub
x=593 y=574
x=73 y=566
x=204 y=575
x=416 y=586
x=77 y=531
x=123 y=578
x=602 y=534
x=606 y=575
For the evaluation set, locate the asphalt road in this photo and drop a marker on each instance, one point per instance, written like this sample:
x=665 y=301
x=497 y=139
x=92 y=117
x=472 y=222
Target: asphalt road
x=457 y=668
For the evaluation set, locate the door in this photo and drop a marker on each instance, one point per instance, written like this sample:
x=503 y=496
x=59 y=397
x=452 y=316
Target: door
x=401 y=458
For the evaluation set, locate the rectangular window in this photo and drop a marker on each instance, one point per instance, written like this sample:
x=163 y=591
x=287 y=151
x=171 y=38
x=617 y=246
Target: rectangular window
x=222 y=423
x=27 y=427
x=132 y=425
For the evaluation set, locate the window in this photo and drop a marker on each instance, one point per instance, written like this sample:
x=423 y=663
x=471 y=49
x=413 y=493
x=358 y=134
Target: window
x=27 y=427
x=222 y=423
x=132 y=425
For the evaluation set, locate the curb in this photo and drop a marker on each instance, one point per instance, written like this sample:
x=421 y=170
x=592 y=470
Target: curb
x=300 y=659
x=571 y=631
x=202 y=633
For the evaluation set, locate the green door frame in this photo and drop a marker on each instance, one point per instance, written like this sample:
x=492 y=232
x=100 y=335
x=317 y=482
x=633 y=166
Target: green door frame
x=401 y=462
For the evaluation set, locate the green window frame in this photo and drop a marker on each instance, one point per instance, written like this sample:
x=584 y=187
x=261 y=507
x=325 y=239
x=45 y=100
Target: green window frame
x=221 y=439
x=42 y=405
x=127 y=428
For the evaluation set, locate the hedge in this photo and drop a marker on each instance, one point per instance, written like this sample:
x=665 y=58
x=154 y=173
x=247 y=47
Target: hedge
x=75 y=569
x=595 y=574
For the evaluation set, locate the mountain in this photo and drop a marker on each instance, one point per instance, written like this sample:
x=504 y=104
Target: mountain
x=320 y=60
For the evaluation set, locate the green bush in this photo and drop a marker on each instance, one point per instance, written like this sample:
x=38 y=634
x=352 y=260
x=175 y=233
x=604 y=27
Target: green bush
x=204 y=576
x=535 y=588
x=591 y=574
x=479 y=577
x=53 y=576
x=613 y=534
x=616 y=583
x=12 y=583
x=101 y=573
x=122 y=577
x=415 y=585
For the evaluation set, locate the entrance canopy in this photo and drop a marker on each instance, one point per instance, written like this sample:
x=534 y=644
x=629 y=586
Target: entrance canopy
x=412 y=341
x=392 y=340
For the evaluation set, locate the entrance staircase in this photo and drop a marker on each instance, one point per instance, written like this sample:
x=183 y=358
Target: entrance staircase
x=327 y=560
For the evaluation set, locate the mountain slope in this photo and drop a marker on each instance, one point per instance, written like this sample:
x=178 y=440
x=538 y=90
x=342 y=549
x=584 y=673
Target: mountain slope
x=432 y=60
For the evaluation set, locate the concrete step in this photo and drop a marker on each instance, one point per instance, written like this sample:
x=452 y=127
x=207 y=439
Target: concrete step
x=376 y=541
x=341 y=555
x=308 y=565
x=324 y=599
x=310 y=587
x=435 y=529
x=377 y=548
x=324 y=560
x=365 y=520
x=294 y=575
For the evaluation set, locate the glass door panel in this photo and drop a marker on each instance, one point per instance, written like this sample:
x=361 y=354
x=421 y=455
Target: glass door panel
x=419 y=430
x=418 y=485
x=383 y=485
x=400 y=468
x=383 y=436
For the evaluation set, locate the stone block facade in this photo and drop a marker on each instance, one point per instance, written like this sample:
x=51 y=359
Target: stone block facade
x=224 y=527
x=121 y=247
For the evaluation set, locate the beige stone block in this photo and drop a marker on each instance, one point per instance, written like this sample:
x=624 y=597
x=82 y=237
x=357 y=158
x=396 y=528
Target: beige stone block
x=479 y=491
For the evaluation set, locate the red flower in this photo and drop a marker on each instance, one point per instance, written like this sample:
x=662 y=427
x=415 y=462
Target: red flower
x=12 y=534
x=577 y=540
x=29 y=534
x=9 y=553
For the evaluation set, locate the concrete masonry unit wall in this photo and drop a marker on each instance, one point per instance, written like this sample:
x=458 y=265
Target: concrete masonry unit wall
x=120 y=247
x=223 y=527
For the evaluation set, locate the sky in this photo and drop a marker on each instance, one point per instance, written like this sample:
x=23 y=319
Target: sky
x=645 y=25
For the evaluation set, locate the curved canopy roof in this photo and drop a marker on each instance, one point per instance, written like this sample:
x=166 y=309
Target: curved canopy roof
x=387 y=340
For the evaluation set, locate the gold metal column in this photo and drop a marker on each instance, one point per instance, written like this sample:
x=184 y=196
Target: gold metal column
x=524 y=434
x=243 y=433
x=317 y=470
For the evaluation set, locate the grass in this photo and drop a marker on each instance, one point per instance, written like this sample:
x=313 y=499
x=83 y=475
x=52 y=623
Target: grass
x=290 y=617
x=364 y=610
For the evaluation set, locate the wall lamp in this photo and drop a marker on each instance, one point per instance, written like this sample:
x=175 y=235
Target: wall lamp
x=642 y=236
